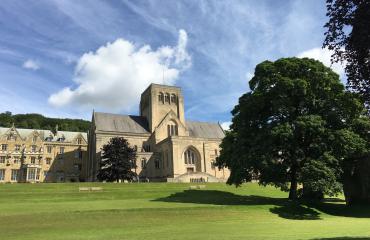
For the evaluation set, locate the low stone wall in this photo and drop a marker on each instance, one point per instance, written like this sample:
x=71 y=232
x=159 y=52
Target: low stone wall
x=197 y=177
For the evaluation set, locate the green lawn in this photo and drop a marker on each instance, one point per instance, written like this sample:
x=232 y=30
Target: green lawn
x=171 y=211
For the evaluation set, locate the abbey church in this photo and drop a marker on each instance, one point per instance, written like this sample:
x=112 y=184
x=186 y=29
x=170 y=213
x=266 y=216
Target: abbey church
x=169 y=147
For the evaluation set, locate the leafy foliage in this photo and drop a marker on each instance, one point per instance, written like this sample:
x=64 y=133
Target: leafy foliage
x=118 y=160
x=38 y=121
x=285 y=131
x=348 y=34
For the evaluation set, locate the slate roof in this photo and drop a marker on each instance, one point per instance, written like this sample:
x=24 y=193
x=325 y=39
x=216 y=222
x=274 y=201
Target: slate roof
x=25 y=133
x=204 y=130
x=137 y=124
x=120 y=123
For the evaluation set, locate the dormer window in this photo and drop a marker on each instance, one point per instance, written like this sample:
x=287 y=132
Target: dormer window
x=11 y=137
x=33 y=148
x=79 y=141
x=61 y=139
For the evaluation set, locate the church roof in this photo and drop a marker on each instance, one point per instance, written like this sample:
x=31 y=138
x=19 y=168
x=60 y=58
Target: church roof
x=204 y=130
x=120 y=123
x=137 y=124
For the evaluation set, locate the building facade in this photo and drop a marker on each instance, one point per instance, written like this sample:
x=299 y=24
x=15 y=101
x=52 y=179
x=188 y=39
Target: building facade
x=30 y=155
x=169 y=148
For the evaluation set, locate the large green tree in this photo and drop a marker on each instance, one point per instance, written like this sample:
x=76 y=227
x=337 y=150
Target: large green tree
x=118 y=160
x=348 y=35
x=283 y=130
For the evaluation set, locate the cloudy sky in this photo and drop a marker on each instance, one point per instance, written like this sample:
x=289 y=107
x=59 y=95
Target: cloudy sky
x=65 y=58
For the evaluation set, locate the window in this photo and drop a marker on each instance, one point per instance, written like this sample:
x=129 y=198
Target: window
x=16 y=160
x=143 y=163
x=146 y=148
x=216 y=152
x=11 y=137
x=15 y=174
x=189 y=157
x=61 y=150
x=48 y=161
x=80 y=154
x=77 y=167
x=31 y=174
x=34 y=139
x=2 y=174
x=172 y=129
x=4 y=147
x=79 y=141
x=160 y=97
x=33 y=160
x=76 y=153
x=38 y=174
x=2 y=159
x=49 y=149
x=157 y=164
x=33 y=148
x=167 y=98
x=17 y=148
x=173 y=98
x=213 y=164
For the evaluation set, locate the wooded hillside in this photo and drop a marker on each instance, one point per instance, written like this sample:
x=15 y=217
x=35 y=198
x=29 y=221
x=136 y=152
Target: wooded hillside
x=38 y=121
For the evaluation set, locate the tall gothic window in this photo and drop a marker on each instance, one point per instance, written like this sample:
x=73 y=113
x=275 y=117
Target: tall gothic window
x=173 y=98
x=160 y=97
x=167 y=98
x=189 y=157
x=172 y=129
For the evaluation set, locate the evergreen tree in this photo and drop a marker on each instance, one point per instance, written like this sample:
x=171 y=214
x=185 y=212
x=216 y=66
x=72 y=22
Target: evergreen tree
x=118 y=160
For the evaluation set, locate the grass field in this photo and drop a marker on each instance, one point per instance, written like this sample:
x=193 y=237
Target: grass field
x=171 y=211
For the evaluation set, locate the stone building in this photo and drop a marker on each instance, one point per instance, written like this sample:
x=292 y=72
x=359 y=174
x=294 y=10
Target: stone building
x=30 y=155
x=169 y=148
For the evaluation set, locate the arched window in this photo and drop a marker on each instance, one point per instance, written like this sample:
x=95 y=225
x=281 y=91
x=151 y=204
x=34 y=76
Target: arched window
x=167 y=98
x=172 y=129
x=189 y=157
x=143 y=163
x=173 y=98
x=160 y=97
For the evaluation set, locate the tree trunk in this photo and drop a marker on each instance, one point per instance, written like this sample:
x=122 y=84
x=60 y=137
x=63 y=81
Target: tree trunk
x=293 y=184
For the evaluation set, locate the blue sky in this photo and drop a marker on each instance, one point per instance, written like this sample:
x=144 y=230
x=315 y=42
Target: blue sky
x=64 y=58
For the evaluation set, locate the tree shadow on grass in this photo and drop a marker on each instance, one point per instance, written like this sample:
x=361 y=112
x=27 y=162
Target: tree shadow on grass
x=283 y=207
x=340 y=209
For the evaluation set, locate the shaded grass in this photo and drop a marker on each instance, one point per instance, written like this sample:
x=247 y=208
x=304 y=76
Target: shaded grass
x=171 y=211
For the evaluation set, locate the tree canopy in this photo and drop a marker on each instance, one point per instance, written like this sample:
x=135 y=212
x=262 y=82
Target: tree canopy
x=118 y=160
x=287 y=129
x=348 y=35
x=38 y=121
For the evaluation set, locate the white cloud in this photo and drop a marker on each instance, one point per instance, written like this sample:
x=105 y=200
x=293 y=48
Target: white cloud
x=31 y=64
x=324 y=56
x=226 y=125
x=113 y=77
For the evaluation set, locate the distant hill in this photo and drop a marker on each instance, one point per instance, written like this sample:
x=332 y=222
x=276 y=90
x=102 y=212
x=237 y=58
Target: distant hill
x=38 y=121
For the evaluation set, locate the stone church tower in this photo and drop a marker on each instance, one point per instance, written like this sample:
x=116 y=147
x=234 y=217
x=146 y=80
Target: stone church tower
x=169 y=148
